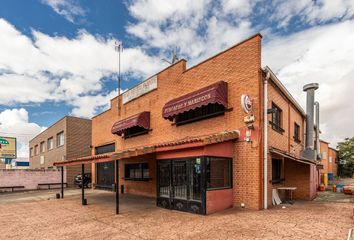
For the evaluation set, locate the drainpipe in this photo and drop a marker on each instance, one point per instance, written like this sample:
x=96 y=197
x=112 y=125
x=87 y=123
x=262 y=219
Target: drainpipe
x=318 y=146
x=265 y=135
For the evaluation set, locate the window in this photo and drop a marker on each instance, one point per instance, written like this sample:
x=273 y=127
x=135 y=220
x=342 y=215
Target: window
x=136 y=171
x=105 y=149
x=135 y=131
x=296 y=133
x=276 y=118
x=276 y=170
x=50 y=143
x=60 y=139
x=42 y=160
x=36 y=150
x=31 y=152
x=211 y=110
x=42 y=147
x=218 y=173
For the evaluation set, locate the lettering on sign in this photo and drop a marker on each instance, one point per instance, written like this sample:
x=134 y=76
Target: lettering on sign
x=141 y=89
x=188 y=103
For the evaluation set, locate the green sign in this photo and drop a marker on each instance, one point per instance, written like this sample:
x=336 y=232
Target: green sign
x=8 y=147
x=4 y=141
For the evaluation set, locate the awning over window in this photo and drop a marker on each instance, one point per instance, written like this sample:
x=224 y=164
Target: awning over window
x=141 y=119
x=215 y=93
x=287 y=156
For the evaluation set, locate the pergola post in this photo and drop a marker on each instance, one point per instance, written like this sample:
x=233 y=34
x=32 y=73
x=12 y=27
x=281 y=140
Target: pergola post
x=82 y=184
x=62 y=181
x=117 y=186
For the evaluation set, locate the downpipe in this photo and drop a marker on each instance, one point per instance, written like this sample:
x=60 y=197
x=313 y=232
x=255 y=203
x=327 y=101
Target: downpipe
x=265 y=142
x=318 y=146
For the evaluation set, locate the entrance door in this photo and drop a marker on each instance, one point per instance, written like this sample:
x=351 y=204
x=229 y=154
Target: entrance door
x=164 y=184
x=105 y=174
x=180 y=185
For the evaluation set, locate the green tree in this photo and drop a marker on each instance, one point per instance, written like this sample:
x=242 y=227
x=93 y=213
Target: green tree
x=346 y=152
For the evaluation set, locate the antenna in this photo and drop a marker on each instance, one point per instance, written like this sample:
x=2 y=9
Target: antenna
x=118 y=48
x=174 y=57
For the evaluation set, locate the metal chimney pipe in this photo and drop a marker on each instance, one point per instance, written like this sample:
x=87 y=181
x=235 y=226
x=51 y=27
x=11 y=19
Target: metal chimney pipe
x=318 y=148
x=310 y=101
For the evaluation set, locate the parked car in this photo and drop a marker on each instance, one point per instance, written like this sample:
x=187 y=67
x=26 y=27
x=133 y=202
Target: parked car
x=87 y=181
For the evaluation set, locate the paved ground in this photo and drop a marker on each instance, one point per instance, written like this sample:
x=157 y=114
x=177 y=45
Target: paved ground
x=33 y=217
x=329 y=196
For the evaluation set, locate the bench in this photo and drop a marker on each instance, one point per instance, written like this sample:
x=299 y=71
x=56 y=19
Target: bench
x=12 y=187
x=49 y=185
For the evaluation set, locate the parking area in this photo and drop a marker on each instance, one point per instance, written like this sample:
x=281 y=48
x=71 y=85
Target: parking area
x=33 y=216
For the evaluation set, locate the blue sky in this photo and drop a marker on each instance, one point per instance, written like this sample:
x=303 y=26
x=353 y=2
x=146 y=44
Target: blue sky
x=57 y=56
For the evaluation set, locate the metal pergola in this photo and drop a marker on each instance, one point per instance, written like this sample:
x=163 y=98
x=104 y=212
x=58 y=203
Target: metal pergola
x=83 y=199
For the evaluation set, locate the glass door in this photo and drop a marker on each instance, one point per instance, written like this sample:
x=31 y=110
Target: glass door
x=105 y=175
x=164 y=184
x=180 y=185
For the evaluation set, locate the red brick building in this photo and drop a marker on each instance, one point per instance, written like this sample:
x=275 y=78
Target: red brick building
x=194 y=137
x=329 y=161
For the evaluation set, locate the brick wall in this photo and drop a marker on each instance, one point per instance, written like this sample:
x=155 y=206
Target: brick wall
x=333 y=166
x=240 y=67
x=78 y=137
x=300 y=180
x=144 y=188
x=29 y=178
x=77 y=141
x=325 y=156
x=78 y=144
x=247 y=185
x=285 y=140
x=50 y=156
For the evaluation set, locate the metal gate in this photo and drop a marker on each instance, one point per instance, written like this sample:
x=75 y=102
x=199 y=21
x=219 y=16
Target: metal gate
x=180 y=185
x=105 y=174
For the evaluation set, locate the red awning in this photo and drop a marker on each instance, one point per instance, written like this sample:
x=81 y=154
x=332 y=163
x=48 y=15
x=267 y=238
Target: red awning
x=141 y=119
x=215 y=93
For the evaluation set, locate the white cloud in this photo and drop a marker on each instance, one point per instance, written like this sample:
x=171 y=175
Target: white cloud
x=198 y=28
x=69 y=9
x=61 y=69
x=92 y=104
x=310 y=11
x=324 y=55
x=159 y=11
x=14 y=123
x=242 y=8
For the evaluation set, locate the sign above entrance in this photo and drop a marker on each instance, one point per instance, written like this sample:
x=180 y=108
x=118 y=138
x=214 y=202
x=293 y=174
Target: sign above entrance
x=8 y=147
x=141 y=89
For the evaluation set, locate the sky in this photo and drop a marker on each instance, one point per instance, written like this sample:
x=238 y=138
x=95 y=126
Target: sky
x=57 y=57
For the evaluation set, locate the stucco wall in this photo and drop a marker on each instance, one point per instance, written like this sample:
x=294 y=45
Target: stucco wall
x=28 y=177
